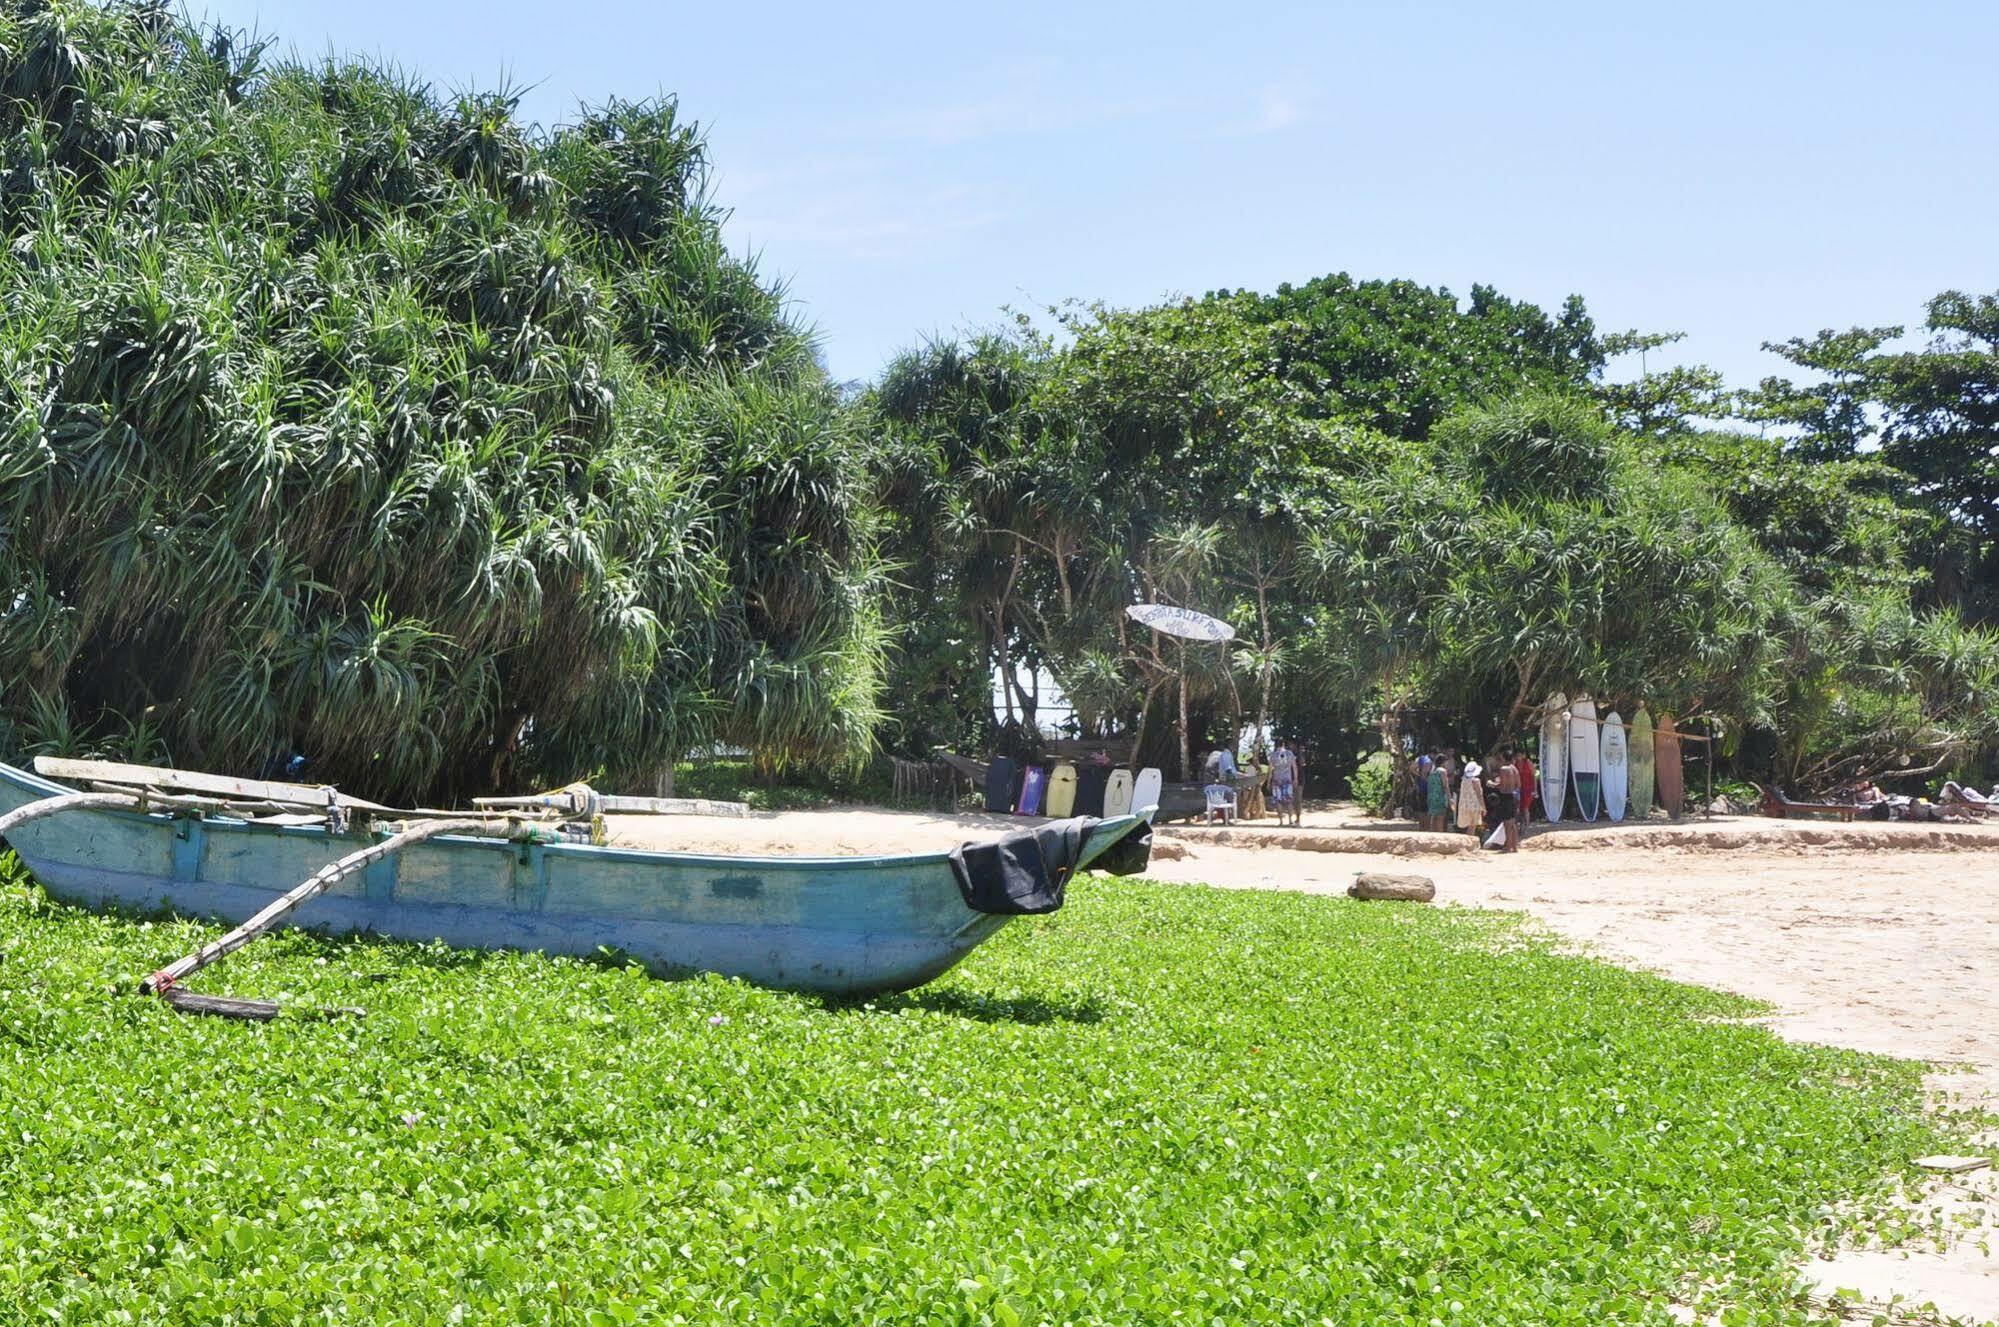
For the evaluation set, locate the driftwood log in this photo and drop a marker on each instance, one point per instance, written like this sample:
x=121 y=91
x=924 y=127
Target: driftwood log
x=1389 y=887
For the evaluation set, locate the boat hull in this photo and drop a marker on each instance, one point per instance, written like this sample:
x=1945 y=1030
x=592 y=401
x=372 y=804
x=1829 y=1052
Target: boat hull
x=839 y=926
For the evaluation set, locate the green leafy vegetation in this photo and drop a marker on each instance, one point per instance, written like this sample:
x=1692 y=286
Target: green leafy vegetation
x=346 y=419
x=1168 y=1100
x=736 y=779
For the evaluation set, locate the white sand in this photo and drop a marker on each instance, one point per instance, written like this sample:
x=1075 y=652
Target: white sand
x=1880 y=937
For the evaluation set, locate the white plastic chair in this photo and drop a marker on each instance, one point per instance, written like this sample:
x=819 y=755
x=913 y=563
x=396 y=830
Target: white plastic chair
x=1222 y=802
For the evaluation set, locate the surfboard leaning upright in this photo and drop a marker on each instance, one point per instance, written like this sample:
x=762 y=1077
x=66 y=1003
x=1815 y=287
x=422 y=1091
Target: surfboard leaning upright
x=1642 y=766
x=1554 y=756
x=1585 y=757
x=1671 y=777
x=1616 y=752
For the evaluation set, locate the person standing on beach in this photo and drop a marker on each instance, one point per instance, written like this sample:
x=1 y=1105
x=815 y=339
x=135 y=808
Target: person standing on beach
x=1437 y=797
x=1529 y=789
x=1471 y=799
x=1221 y=767
x=1505 y=804
x=1284 y=782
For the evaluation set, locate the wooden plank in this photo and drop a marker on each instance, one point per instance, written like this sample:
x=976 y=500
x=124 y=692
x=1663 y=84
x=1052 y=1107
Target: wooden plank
x=576 y=803
x=1953 y=1165
x=256 y=1011
x=674 y=806
x=193 y=781
x=221 y=1006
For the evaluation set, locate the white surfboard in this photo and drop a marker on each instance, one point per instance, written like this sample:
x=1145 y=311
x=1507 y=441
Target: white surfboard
x=1145 y=793
x=1555 y=756
x=1117 y=794
x=1585 y=757
x=1616 y=755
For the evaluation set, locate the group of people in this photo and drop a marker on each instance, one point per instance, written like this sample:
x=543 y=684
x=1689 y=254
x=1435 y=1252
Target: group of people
x=1285 y=795
x=1954 y=801
x=1467 y=796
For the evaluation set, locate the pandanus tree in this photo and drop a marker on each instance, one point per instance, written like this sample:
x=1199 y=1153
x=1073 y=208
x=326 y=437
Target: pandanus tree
x=348 y=422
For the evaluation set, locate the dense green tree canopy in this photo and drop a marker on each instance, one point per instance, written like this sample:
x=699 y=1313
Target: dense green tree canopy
x=1930 y=412
x=1410 y=506
x=347 y=420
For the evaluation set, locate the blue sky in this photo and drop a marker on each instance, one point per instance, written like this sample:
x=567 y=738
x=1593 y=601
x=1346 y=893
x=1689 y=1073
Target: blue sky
x=1741 y=172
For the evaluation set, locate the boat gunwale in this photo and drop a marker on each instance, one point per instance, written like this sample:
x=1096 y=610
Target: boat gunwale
x=586 y=851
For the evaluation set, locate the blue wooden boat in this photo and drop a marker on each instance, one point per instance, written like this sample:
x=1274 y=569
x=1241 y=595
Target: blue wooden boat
x=837 y=925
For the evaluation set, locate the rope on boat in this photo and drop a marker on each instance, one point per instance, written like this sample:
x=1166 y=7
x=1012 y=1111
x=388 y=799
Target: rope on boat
x=159 y=983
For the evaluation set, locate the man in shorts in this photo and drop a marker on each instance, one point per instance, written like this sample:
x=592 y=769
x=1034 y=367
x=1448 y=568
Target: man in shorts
x=1503 y=790
x=1284 y=782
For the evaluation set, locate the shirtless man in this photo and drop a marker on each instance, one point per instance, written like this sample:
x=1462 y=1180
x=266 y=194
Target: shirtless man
x=1505 y=799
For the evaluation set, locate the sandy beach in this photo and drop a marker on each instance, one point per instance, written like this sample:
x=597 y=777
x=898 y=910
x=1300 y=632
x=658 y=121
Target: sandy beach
x=1878 y=937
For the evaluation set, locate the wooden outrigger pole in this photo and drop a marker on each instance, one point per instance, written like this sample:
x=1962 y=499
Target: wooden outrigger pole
x=169 y=977
x=165 y=982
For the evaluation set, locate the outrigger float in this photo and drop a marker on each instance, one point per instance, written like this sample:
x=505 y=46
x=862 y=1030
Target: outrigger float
x=508 y=876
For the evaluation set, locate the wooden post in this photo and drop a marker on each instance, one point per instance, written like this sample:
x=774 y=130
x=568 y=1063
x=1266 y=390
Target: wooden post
x=1186 y=763
x=318 y=883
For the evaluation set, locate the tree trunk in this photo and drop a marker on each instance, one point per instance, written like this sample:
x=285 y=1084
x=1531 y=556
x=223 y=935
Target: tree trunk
x=1005 y=657
x=1144 y=712
x=1263 y=699
x=1391 y=733
x=1508 y=731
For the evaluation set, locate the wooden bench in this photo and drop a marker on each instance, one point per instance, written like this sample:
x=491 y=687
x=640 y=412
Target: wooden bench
x=1775 y=803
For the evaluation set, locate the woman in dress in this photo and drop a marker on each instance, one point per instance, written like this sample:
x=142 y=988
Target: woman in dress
x=1471 y=800
x=1438 y=797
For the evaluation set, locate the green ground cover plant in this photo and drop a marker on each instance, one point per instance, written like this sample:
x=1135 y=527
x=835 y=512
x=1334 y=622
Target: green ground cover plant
x=1168 y=1103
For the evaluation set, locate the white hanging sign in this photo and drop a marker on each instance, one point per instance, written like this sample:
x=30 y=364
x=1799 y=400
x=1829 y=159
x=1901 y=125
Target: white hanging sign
x=1182 y=622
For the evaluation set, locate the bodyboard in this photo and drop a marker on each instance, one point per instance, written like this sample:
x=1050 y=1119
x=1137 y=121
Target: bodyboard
x=1091 y=783
x=999 y=784
x=1032 y=786
x=1117 y=794
x=1062 y=791
x=1145 y=792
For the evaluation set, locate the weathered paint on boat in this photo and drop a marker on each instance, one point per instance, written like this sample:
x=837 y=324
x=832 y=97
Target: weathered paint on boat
x=838 y=925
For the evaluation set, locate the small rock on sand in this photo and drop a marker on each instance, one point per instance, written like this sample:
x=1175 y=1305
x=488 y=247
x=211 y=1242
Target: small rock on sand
x=1385 y=885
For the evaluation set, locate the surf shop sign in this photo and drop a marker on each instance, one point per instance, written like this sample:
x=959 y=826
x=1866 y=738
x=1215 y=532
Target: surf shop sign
x=1182 y=622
